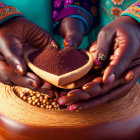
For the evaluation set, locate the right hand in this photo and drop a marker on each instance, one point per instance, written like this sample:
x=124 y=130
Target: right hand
x=14 y=35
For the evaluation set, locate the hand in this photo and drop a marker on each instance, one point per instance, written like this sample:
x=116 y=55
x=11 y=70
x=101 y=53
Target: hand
x=96 y=93
x=73 y=31
x=14 y=35
x=121 y=39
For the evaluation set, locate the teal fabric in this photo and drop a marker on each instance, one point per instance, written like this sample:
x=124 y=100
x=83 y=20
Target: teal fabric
x=39 y=11
x=105 y=10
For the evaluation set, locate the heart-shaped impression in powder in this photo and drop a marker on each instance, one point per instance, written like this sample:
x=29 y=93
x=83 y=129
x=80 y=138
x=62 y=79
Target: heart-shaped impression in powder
x=59 y=67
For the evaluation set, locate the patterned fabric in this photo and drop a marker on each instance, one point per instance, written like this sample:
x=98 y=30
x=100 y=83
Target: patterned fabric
x=111 y=9
x=8 y=12
x=40 y=12
x=133 y=11
x=73 y=8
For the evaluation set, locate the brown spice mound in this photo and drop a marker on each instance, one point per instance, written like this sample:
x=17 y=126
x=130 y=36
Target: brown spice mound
x=57 y=61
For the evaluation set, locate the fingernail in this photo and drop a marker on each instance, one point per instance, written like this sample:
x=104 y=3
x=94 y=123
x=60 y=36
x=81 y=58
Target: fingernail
x=92 y=49
x=130 y=78
x=19 y=69
x=67 y=43
x=72 y=107
x=96 y=67
x=110 y=79
x=54 y=46
x=69 y=94
x=100 y=59
x=96 y=62
x=34 y=84
x=86 y=87
x=60 y=101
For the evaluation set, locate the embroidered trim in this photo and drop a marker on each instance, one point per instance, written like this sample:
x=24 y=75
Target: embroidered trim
x=8 y=12
x=133 y=11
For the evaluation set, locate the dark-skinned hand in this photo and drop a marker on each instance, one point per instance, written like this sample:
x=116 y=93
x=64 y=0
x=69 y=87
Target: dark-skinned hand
x=14 y=35
x=96 y=93
x=73 y=31
x=121 y=38
x=120 y=43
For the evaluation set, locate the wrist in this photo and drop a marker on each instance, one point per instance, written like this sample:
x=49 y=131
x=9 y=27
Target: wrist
x=134 y=24
x=71 y=25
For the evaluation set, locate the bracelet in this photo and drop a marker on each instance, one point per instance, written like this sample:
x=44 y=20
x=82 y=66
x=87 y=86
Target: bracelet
x=133 y=11
x=8 y=12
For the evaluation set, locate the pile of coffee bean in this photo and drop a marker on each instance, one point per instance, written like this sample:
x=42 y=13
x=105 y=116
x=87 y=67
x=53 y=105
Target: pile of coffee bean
x=42 y=100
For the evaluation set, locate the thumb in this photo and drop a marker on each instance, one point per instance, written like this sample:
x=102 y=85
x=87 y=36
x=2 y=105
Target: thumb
x=72 y=30
x=120 y=61
x=103 y=47
x=11 y=49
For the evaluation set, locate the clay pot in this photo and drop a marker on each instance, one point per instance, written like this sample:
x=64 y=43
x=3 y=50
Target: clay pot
x=119 y=120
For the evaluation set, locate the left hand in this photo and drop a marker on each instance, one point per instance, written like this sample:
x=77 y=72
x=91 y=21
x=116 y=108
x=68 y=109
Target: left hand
x=73 y=31
x=15 y=34
x=96 y=93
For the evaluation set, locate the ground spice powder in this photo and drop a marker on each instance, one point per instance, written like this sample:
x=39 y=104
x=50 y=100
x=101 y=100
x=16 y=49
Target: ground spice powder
x=58 y=61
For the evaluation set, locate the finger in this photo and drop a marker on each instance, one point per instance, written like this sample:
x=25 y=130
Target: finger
x=46 y=85
x=36 y=81
x=72 y=30
x=37 y=37
x=10 y=77
x=104 y=43
x=97 y=88
x=11 y=49
x=4 y=72
x=94 y=89
x=38 y=84
x=28 y=82
x=113 y=95
x=73 y=96
x=24 y=81
x=92 y=48
x=121 y=60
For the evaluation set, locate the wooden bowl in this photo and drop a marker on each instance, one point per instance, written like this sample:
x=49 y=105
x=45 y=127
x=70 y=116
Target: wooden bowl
x=119 y=120
x=63 y=80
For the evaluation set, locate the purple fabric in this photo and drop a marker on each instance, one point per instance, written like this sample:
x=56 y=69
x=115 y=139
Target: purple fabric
x=72 y=11
x=65 y=8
